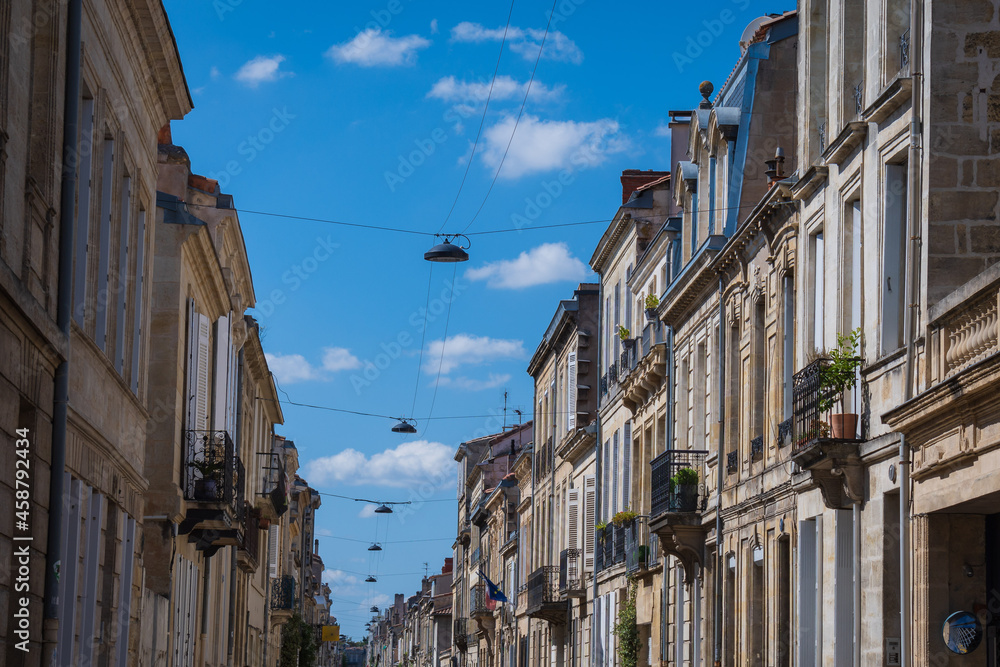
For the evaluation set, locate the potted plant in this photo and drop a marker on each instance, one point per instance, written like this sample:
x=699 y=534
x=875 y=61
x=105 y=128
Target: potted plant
x=206 y=488
x=685 y=488
x=624 y=518
x=836 y=378
x=652 y=301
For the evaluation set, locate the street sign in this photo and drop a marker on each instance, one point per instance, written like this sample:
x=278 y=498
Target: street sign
x=331 y=633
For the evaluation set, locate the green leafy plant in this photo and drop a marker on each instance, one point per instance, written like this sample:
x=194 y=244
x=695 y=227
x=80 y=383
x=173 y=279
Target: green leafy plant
x=207 y=469
x=685 y=476
x=627 y=629
x=298 y=643
x=623 y=333
x=624 y=517
x=601 y=525
x=652 y=301
x=841 y=373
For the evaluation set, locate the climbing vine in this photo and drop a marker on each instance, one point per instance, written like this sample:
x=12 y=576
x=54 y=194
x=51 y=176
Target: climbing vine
x=627 y=629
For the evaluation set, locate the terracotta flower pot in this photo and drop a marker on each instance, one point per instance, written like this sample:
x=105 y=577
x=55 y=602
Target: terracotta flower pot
x=844 y=426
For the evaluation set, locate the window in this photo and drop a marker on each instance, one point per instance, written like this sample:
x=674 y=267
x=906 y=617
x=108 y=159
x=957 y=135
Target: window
x=104 y=243
x=893 y=257
x=138 y=286
x=818 y=265
x=810 y=592
x=756 y=616
x=627 y=467
x=788 y=349
x=700 y=398
x=614 y=474
x=843 y=602
x=853 y=72
x=818 y=55
x=121 y=281
x=85 y=156
x=758 y=369
x=784 y=602
x=729 y=611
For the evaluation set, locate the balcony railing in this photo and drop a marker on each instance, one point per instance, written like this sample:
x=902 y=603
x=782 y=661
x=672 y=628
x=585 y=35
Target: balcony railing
x=273 y=488
x=638 y=553
x=609 y=546
x=784 y=432
x=904 y=50
x=732 y=463
x=640 y=347
x=460 y=633
x=807 y=396
x=481 y=604
x=474 y=558
x=214 y=474
x=283 y=593
x=674 y=489
x=543 y=587
x=966 y=332
x=571 y=578
x=757 y=448
x=249 y=550
x=859 y=97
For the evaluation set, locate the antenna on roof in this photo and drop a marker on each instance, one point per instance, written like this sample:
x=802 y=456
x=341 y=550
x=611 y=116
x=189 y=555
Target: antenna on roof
x=504 y=412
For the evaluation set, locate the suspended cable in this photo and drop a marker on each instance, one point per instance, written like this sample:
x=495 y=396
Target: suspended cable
x=482 y=120
x=527 y=90
x=423 y=338
x=433 y=539
x=444 y=344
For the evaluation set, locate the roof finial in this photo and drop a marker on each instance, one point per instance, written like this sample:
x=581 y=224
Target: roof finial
x=705 y=88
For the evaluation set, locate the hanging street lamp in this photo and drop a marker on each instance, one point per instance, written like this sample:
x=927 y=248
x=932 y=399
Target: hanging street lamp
x=404 y=426
x=448 y=251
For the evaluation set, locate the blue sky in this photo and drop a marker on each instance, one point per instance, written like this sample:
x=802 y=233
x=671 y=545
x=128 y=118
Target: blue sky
x=366 y=112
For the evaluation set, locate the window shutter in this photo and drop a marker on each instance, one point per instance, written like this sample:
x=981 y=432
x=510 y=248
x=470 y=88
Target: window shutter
x=606 y=482
x=272 y=552
x=190 y=399
x=627 y=477
x=220 y=388
x=138 y=285
x=573 y=520
x=589 y=520
x=203 y=385
x=123 y=273
x=614 y=476
x=125 y=593
x=104 y=246
x=83 y=212
x=571 y=392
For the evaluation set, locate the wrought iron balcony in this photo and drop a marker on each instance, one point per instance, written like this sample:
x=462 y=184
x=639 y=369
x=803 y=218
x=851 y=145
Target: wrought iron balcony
x=732 y=463
x=480 y=603
x=833 y=462
x=637 y=546
x=213 y=486
x=474 y=557
x=571 y=576
x=785 y=432
x=247 y=556
x=678 y=498
x=543 y=595
x=283 y=593
x=757 y=448
x=460 y=633
x=904 y=50
x=677 y=479
x=273 y=494
x=859 y=97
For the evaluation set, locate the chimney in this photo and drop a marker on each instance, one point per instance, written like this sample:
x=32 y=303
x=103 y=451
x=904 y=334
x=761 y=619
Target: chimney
x=163 y=136
x=775 y=167
x=448 y=564
x=633 y=179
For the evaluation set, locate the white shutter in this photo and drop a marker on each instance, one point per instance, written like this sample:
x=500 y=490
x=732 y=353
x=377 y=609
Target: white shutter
x=220 y=388
x=272 y=551
x=627 y=461
x=202 y=382
x=589 y=520
x=614 y=475
x=571 y=396
x=573 y=519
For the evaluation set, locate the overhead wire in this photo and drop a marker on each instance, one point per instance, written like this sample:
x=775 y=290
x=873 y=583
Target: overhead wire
x=482 y=120
x=444 y=344
x=524 y=101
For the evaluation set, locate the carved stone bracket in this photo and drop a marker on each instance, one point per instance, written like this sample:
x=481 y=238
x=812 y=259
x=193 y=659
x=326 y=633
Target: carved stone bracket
x=683 y=537
x=835 y=467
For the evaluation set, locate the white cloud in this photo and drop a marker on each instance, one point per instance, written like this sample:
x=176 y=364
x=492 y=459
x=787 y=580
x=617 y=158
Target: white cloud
x=214 y=73
x=434 y=26
x=463 y=349
x=289 y=368
x=662 y=130
x=524 y=42
x=261 y=69
x=449 y=89
x=544 y=145
x=548 y=263
x=374 y=48
x=339 y=577
x=471 y=384
x=411 y=464
x=367 y=512
x=339 y=359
